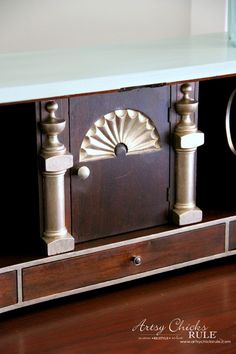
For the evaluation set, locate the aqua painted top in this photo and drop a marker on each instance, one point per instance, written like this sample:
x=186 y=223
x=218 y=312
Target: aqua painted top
x=54 y=73
x=232 y=21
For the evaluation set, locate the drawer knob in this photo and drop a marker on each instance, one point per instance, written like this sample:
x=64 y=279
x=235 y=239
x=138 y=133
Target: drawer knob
x=137 y=260
x=83 y=172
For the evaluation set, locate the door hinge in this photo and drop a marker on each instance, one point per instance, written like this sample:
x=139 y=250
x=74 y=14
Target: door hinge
x=168 y=195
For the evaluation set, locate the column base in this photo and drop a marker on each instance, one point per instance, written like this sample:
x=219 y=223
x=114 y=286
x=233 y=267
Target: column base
x=57 y=245
x=185 y=217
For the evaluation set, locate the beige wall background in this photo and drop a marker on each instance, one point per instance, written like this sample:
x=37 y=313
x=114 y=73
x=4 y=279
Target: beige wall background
x=208 y=16
x=27 y=25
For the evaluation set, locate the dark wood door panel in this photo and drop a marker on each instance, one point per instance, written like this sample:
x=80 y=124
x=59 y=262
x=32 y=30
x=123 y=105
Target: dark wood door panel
x=8 y=295
x=127 y=192
x=68 y=274
x=232 y=235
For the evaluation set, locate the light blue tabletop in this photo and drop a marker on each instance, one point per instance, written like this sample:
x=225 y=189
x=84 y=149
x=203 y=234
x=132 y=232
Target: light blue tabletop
x=34 y=75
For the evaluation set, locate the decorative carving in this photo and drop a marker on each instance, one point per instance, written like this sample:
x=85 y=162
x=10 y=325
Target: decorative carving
x=55 y=161
x=128 y=130
x=186 y=140
x=52 y=127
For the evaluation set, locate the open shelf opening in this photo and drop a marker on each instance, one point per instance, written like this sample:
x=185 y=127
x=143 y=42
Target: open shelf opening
x=216 y=166
x=19 y=180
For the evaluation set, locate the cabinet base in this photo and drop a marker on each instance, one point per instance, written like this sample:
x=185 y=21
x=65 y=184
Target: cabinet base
x=186 y=217
x=102 y=263
x=56 y=245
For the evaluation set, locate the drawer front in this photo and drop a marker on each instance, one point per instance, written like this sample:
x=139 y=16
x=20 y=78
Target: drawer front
x=8 y=295
x=81 y=271
x=232 y=235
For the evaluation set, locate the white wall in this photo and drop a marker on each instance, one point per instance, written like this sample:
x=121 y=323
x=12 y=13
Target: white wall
x=42 y=24
x=37 y=24
x=208 y=16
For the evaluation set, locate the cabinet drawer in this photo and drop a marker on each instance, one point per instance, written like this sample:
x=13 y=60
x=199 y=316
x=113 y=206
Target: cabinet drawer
x=232 y=235
x=8 y=294
x=114 y=263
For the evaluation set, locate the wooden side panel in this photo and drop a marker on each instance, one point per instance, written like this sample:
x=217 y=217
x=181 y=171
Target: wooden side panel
x=8 y=295
x=64 y=275
x=232 y=235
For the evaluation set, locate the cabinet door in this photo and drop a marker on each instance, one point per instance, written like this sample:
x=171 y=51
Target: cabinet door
x=121 y=140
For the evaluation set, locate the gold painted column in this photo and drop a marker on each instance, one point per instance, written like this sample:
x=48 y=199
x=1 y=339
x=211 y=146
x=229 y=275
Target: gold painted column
x=55 y=161
x=186 y=140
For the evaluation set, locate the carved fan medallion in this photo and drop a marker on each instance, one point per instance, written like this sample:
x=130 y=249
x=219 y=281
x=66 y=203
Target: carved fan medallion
x=129 y=128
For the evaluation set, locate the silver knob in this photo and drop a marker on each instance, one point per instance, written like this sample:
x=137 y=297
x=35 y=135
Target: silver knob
x=137 y=260
x=83 y=172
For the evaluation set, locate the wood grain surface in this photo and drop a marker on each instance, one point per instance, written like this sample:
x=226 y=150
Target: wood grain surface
x=232 y=235
x=101 y=322
x=116 y=197
x=68 y=274
x=8 y=295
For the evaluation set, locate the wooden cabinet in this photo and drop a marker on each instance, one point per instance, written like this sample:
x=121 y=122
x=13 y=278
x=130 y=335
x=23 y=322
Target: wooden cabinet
x=112 y=176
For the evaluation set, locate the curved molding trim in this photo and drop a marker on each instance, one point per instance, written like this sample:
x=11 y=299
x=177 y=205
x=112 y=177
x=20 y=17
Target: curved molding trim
x=128 y=127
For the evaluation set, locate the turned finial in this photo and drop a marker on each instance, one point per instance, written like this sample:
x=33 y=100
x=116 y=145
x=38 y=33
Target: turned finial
x=186 y=89
x=51 y=107
x=52 y=127
x=185 y=107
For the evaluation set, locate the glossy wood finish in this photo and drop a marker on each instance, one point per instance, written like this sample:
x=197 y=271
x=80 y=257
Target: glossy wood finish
x=102 y=321
x=65 y=273
x=232 y=235
x=116 y=197
x=59 y=276
x=8 y=295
